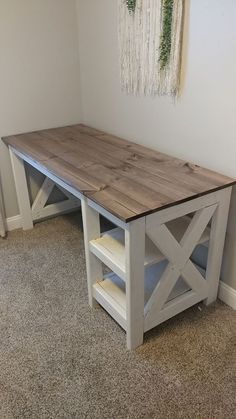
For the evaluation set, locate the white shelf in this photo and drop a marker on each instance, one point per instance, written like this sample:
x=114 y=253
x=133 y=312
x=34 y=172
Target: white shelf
x=110 y=292
x=110 y=248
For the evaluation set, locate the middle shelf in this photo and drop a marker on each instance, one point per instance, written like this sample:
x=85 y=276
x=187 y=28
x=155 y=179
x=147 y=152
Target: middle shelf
x=110 y=247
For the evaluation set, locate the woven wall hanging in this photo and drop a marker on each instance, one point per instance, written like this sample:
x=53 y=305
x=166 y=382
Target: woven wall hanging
x=150 y=40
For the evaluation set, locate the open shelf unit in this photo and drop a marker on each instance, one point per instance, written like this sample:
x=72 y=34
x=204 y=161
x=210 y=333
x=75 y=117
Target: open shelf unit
x=110 y=247
x=110 y=291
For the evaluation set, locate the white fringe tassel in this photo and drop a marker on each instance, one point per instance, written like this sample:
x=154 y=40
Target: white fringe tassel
x=139 y=41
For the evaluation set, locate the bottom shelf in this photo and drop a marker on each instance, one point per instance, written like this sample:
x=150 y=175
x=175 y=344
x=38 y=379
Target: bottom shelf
x=110 y=292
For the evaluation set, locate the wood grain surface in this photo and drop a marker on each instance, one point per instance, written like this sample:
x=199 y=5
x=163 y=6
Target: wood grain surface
x=127 y=179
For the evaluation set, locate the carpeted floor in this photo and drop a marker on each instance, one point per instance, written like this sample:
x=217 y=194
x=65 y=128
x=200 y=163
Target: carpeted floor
x=60 y=359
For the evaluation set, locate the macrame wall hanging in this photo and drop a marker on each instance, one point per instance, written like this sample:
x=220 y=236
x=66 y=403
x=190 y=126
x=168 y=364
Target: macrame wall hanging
x=150 y=39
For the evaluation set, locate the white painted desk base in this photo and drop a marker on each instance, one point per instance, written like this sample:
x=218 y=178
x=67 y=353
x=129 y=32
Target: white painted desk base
x=137 y=315
x=130 y=308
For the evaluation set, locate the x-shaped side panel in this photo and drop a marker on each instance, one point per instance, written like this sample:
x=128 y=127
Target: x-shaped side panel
x=178 y=255
x=43 y=195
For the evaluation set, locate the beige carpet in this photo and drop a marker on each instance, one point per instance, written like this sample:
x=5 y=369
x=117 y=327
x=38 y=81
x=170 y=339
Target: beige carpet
x=60 y=359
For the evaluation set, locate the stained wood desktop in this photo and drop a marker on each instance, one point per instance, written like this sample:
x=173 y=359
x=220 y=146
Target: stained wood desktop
x=127 y=179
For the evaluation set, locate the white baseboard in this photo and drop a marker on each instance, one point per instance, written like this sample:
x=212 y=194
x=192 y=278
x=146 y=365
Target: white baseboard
x=227 y=294
x=12 y=223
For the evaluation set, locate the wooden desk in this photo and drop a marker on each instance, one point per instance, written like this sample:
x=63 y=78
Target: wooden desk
x=162 y=207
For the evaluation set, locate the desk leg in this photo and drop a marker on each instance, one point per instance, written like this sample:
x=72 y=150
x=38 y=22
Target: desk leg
x=216 y=244
x=135 y=252
x=91 y=224
x=22 y=191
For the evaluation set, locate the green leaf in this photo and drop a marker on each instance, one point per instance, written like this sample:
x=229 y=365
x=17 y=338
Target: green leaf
x=131 y=4
x=166 y=34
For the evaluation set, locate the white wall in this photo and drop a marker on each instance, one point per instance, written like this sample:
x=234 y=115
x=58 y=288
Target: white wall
x=39 y=73
x=201 y=126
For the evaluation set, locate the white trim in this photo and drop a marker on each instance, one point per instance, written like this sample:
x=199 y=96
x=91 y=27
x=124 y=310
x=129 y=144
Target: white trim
x=13 y=223
x=227 y=294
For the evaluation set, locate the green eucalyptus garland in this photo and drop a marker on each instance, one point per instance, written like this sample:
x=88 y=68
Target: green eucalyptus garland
x=150 y=41
x=131 y=4
x=165 y=39
x=166 y=34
